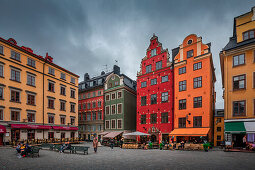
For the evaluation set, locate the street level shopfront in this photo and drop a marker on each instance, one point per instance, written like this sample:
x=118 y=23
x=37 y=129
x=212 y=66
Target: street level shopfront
x=239 y=134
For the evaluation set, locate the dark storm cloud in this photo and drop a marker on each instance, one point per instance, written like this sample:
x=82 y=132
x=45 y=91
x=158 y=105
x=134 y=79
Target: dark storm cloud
x=83 y=36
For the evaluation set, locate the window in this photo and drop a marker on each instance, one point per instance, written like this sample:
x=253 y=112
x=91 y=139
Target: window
x=107 y=110
x=253 y=79
x=31 y=117
x=164 y=97
x=99 y=81
x=239 y=108
x=143 y=100
x=158 y=65
x=116 y=83
x=99 y=116
x=94 y=116
x=164 y=79
x=30 y=62
x=30 y=80
x=153 y=118
x=110 y=85
x=143 y=84
x=84 y=105
x=91 y=84
x=148 y=69
x=51 y=86
x=239 y=60
x=190 y=41
x=51 y=119
x=73 y=80
x=99 y=104
x=218 y=129
x=197 y=66
x=1 y=93
x=107 y=97
x=15 y=55
x=1 y=114
x=51 y=71
x=218 y=137
x=182 y=122
x=72 y=107
x=248 y=34
x=15 y=75
x=119 y=123
x=113 y=96
x=190 y=53
x=182 y=104
x=94 y=104
x=62 y=120
x=164 y=117
x=63 y=90
x=254 y=106
x=119 y=94
x=182 y=70
x=239 y=82
x=107 y=124
x=182 y=85
x=197 y=82
x=218 y=120
x=119 y=108
x=88 y=95
x=99 y=93
x=15 y=115
x=30 y=99
x=89 y=116
x=197 y=121
x=51 y=103
x=143 y=119
x=84 y=96
x=72 y=95
x=153 y=81
x=15 y=96
x=1 y=50
x=197 y=102
x=62 y=105
x=113 y=124
x=113 y=109
x=153 y=52
x=94 y=94
x=1 y=70
x=154 y=99
x=63 y=76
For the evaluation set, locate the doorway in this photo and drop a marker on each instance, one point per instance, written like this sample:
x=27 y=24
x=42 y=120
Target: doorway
x=165 y=138
x=30 y=134
x=50 y=135
x=15 y=135
x=238 y=140
x=1 y=139
x=63 y=135
x=153 y=138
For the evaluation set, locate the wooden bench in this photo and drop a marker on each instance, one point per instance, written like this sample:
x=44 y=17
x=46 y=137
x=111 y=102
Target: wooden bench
x=47 y=145
x=71 y=149
x=34 y=151
x=83 y=149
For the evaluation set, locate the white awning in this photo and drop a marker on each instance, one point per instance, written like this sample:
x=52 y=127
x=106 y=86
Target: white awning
x=250 y=127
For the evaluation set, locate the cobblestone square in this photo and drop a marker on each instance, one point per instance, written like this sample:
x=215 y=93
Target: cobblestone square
x=106 y=158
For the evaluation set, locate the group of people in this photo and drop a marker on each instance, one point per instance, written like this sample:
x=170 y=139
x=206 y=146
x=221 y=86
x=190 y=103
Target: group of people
x=23 y=149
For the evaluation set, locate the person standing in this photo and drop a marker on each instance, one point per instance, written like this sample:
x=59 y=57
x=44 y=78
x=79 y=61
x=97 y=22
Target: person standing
x=95 y=144
x=244 y=142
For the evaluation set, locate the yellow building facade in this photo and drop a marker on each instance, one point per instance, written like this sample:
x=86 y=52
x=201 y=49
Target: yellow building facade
x=38 y=99
x=218 y=127
x=237 y=61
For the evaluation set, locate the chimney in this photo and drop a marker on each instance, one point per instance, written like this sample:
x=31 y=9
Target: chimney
x=86 y=76
x=116 y=69
x=102 y=73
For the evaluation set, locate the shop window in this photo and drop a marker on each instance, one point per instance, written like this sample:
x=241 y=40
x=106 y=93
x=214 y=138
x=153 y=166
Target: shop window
x=197 y=82
x=182 y=85
x=63 y=135
x=239 y=60
x=143 y=119
x=153 y=118
x=239 y=108
x=197 y=121
x=30 y=134
x=50 y=135
x=182 y=122
x=164 y=117
x=239 y=82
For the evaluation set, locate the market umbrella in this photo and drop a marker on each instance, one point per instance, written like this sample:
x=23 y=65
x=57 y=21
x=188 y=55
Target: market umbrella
x=137 y=133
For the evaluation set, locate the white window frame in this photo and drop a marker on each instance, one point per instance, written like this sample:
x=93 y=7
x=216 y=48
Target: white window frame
x=3 y=92
x=11 y=115
x=33 y=76
x=118 y=95
x=52 y=72
x=118 y=108
x=109 y=124
x=16 y=71
x=115 y=109
x=28 y=93
x=109 y=110
x=72 y=90
x=29 y=58
x=118 y=124
x=115 y=96
x=11 y=89
x=62 y=76
x=112 y=124
x=29 y=112
x=106 y=97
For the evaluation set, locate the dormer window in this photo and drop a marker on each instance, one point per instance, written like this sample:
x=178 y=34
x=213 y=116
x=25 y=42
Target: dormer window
x=153 y=52
x=248 y=34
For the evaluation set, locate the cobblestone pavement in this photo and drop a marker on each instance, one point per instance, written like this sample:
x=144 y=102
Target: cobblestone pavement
x=120 y=159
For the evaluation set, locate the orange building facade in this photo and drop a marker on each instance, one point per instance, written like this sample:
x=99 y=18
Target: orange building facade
x=194 y=93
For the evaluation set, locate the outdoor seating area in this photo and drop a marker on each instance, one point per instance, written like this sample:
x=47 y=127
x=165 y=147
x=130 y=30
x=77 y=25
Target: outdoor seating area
x=72 y=149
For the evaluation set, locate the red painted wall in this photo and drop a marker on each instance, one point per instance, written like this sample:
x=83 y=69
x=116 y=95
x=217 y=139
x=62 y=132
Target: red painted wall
x=155 y=89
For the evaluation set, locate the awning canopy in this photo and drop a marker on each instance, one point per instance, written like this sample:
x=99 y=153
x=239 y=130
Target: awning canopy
x=2 y=129
x=250 y=127
x=235 y=127
x=64 y=128
x=137 y=133
x=104 y=133
x=28 y=126
x=113 y=134
x=190 y=132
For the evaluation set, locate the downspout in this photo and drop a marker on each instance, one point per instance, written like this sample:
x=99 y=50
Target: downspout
x=43 y=97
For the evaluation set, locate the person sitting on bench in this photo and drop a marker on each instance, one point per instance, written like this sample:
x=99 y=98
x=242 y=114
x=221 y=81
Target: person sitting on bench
x=65 y=146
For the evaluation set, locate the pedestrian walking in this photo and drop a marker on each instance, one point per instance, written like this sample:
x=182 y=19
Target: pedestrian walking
x=95 y=144
x=111 y=143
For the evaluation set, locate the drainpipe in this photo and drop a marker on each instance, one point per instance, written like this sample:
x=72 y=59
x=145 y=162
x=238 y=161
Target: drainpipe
x=43 y=96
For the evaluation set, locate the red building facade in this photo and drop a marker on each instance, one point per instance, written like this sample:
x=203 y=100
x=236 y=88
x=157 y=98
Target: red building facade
x=155 y=93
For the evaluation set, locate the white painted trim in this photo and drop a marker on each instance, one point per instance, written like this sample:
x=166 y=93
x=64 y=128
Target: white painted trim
x=121 y=124
x=118 y=109
x=109 y=124
x=240 y=120
x=112 y=123
x=115 y=109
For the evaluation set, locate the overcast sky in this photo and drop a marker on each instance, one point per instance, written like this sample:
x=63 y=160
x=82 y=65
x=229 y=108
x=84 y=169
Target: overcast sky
x=84 y=36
